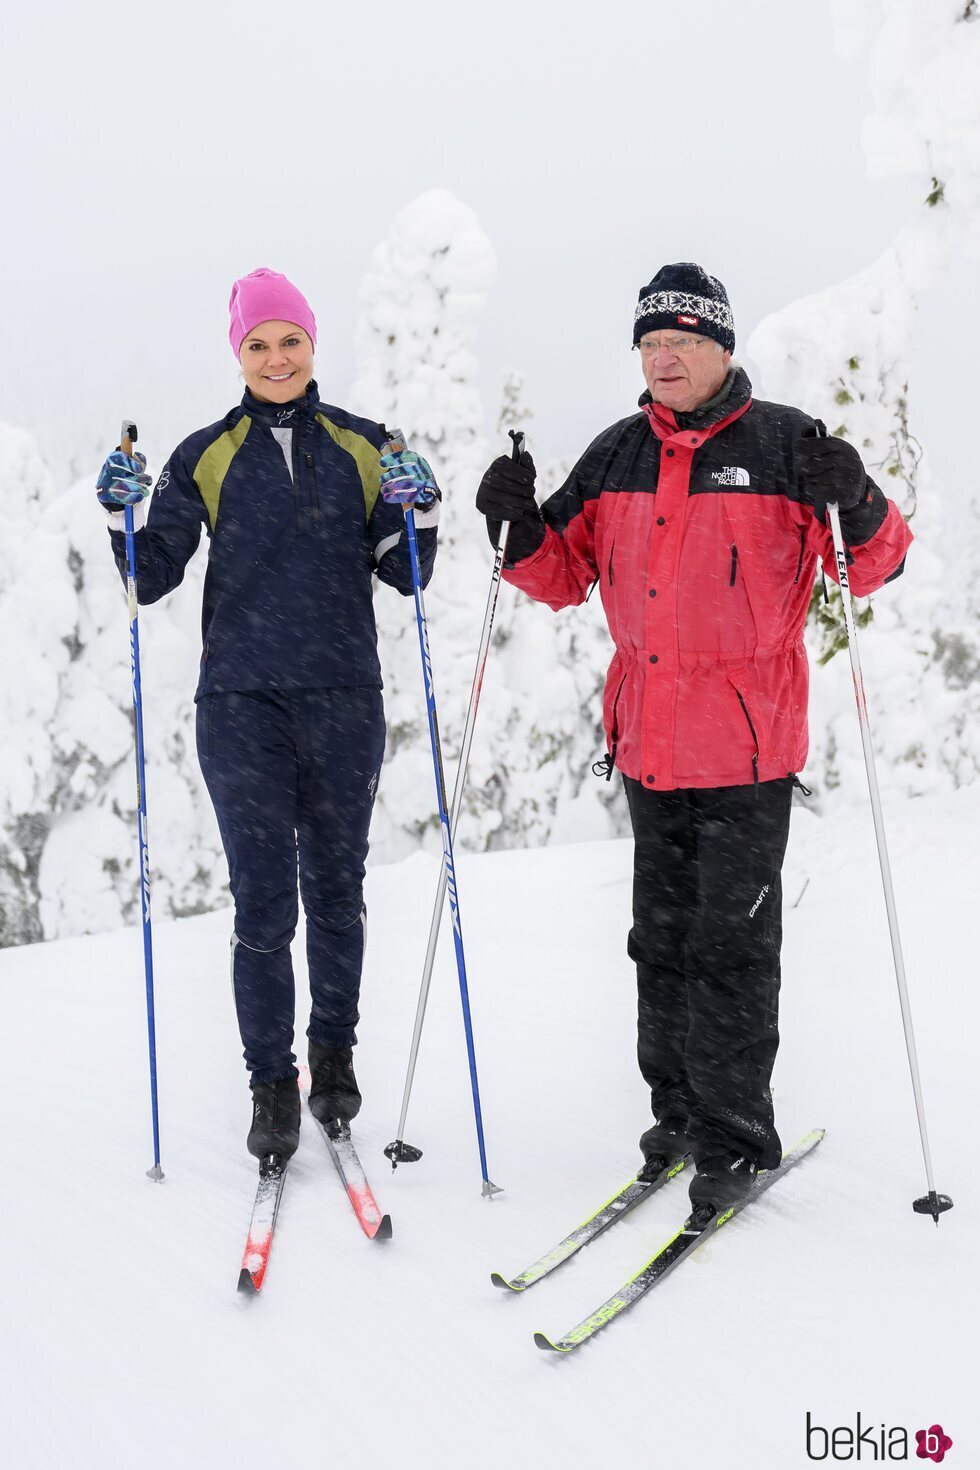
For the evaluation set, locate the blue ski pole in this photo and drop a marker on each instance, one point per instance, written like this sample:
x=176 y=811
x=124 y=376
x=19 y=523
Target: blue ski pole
x=126 y=442
x=396 y=441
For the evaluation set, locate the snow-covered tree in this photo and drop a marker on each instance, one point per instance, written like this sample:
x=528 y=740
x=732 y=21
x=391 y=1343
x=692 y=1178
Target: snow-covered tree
x=844 y=354
x=416 y=369
x=513 y=412
x=539 y=729
x=68 y=851
x=27 y=488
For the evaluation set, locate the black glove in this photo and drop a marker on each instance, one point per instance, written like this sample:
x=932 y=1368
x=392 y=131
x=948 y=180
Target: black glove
x=830 y=469
x=506 y=493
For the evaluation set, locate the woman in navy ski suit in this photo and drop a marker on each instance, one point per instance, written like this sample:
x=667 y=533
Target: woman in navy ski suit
x=290 y=722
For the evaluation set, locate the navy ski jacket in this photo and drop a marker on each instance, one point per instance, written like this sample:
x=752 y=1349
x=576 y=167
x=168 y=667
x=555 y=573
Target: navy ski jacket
x=288 y=590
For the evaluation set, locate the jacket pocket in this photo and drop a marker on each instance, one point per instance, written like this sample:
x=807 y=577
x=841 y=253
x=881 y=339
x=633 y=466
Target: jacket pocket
x=614 y=521
x=741 y=591
x=205 y=727
x=751 y=725
x=209 y=736
x=732 y=539
x=606 y=766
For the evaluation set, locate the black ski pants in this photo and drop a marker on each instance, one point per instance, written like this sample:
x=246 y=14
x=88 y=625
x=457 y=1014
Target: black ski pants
x=706 y=936
x=292 y=774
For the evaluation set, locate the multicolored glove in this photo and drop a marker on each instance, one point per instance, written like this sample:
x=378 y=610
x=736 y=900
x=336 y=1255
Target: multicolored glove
x=407 y=479
x=123 y=481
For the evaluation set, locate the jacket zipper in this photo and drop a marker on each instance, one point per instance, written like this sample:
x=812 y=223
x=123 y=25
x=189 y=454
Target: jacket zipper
x=799 y=564
x=606 y=766
x=314 y=498
x=731 y=580
x=297 y=488
x=755 y=757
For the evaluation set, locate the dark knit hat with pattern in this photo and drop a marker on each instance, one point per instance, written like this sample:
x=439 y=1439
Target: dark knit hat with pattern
x=685 y=297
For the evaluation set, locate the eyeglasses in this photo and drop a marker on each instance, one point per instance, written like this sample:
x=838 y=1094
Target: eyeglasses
x=678 y=346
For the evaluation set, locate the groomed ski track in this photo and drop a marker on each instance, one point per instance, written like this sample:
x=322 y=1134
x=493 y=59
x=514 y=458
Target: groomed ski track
x=125 y=1341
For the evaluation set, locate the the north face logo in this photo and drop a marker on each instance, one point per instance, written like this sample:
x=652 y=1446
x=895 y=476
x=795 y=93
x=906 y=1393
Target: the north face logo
x=731 y=475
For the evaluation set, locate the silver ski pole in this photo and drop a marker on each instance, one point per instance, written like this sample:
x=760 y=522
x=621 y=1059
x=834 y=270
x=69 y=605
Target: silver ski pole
x=400 y=1152
x=932 y=1203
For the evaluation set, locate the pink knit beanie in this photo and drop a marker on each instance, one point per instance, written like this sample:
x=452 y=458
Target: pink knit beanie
x=266 y=296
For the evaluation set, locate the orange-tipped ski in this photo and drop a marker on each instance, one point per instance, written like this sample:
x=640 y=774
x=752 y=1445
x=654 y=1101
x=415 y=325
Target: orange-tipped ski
x=375 y=1225
x=336 y=1135
x=255 y=1261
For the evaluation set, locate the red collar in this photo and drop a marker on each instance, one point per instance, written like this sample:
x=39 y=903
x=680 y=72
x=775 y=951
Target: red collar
x=664 y=424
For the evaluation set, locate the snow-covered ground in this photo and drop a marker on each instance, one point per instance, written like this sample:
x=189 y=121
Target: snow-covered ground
x=125 y=1343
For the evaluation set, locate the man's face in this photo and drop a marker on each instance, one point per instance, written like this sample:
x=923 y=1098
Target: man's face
x=681 y=369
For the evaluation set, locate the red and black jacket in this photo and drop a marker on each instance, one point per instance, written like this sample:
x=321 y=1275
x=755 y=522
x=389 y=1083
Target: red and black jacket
x=705 y=558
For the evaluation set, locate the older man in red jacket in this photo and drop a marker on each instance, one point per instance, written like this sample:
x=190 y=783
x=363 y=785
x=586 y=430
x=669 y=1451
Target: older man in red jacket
x=702 y=518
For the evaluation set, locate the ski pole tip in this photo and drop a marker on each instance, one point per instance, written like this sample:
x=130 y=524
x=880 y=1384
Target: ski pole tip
x=490 y=1189
x=932 y=1204
x=156 y=1174
x=402 y=1153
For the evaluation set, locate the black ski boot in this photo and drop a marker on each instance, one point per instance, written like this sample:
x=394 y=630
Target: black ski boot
x=662 y=1145
x=334 y=1096
x=275 y=1119
x=722 y=1181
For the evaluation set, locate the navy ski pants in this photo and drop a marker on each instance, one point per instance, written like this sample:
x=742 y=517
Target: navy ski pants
x=706 y=936
x=293 y=775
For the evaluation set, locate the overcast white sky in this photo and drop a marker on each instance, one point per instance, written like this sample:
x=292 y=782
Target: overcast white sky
x=150 y=155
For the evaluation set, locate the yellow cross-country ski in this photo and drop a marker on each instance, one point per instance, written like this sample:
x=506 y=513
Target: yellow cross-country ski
x=697 y=1228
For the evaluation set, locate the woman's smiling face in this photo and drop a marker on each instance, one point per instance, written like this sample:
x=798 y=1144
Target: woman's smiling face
x=277 y=361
